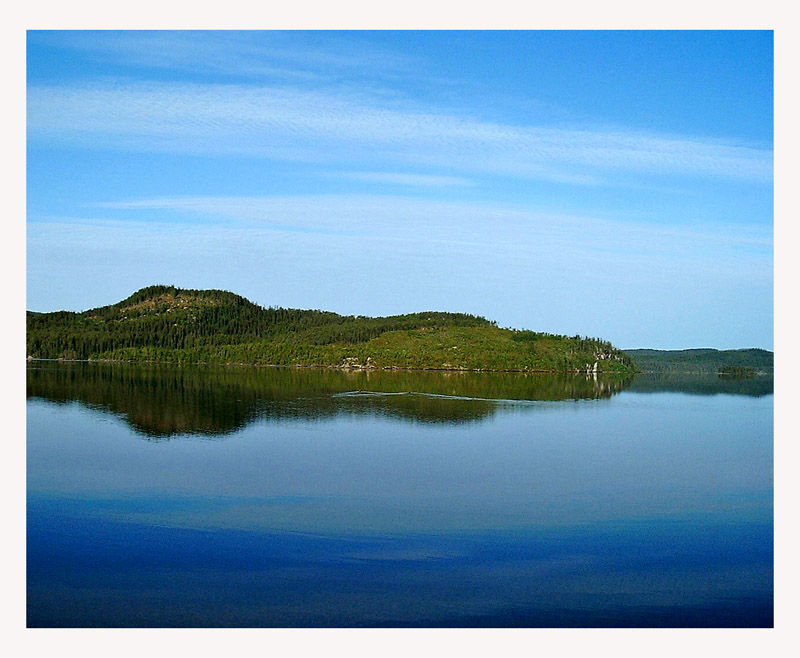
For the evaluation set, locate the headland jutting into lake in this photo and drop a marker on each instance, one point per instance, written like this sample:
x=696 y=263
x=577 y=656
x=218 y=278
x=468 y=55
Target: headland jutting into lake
x=174 y=325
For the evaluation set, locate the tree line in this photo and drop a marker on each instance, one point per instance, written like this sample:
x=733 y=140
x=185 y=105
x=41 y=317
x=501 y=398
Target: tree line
x=164 y=323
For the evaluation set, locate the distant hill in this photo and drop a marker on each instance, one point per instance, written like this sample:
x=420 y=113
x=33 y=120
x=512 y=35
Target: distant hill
x=169 y=324
x=701 y=360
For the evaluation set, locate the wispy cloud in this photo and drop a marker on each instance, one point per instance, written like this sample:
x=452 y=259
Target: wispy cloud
x=513 y=229
x=285 y=122
x=406 y=179
x=386 y=255
x=295 y=56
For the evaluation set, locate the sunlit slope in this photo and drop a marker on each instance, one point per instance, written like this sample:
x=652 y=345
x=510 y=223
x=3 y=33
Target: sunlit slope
x=164 y=323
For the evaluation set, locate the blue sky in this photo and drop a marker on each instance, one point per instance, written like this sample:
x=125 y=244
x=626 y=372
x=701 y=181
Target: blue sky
x=612 y=184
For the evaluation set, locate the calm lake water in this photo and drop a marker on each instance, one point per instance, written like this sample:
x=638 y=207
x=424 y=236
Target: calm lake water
x=212 y=496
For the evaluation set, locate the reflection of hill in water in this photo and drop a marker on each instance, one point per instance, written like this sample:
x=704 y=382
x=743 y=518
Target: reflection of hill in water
x=702 y=384
x=164 y=400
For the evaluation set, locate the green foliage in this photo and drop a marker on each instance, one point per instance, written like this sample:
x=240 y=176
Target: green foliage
x=737 y=371
x=702 y=360
x=168 y=324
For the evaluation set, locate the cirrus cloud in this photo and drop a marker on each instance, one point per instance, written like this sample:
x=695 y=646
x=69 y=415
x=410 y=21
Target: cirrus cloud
x=287 y=123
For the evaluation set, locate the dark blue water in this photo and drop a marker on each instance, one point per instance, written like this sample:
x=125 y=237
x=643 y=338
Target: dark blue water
x=169 y=497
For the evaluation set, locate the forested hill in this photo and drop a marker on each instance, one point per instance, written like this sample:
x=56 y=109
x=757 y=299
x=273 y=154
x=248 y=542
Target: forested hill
x=702 y=360
x=169 y=324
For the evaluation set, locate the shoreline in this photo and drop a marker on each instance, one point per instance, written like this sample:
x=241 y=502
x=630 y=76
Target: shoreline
x=348 y=368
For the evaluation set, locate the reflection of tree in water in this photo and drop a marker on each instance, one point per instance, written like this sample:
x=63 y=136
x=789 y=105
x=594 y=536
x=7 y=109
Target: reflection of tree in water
x=164 y=400
x=704 y=384
x=154 y=400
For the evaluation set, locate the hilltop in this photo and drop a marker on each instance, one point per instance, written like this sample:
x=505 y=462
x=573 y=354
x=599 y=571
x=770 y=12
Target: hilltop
x=169 y=324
